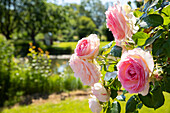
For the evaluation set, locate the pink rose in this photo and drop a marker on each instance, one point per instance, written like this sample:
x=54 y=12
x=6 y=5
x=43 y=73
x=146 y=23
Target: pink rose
x=88 y=48
x=139 y=0
x=94 y=105
x=133 y=70
x=87 y=70
x=100 y=92
x=116 y=22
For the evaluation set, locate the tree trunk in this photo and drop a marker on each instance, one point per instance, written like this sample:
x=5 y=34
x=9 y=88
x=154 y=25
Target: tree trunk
x=33 y=39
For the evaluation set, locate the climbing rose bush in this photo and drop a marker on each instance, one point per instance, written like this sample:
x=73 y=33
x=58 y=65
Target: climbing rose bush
x=136 y=61
x=100 y=92
x=94 y=105
x=88 y=48
x=134 y=69
x=86 y=70
x=117 y=23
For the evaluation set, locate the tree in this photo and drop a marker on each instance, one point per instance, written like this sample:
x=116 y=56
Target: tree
x=34 y=16
x=85 y=26
x=96 y=11
x=107 y=33
x=9 y=17
x=41 y=17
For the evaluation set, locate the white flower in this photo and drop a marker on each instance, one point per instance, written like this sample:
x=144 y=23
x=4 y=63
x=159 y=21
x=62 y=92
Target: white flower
x=100 y=92
x=94 y=105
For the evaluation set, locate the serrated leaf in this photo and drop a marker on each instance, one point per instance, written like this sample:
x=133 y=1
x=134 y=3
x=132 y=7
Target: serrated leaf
x=140 y=38
x=154 y=99
x=115 y=107
x=116 y=51
x=152 y=20
x=121 y=97
x=150 y=40
x=131 y=104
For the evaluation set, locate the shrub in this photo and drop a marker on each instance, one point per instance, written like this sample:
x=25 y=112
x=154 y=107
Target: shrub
x=6 y=68
x=58 y=50
x=22 y=46
x=30 y=75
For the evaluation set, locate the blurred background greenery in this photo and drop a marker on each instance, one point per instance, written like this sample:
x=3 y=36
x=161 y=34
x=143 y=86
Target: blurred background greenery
x=32 y=34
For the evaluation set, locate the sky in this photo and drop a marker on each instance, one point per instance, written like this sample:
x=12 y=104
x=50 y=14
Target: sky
x=103 y=1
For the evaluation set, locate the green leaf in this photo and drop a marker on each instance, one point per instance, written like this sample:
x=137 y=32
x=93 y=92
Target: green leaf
x=140 y=105
x=166 y=48
x=140 y=38
x=137 y=13
x=154 y=99
x=166 y=84
x=152 y=20
x=131 y=104
x=166 y=20
x=116 y=51
x=150 y=40
x=113 y=93
x=117 y=85
x=157 y=47
x=136 y=111
x=166 y=10
x=108 y=110
x=166 y=14
x=115 y=107
x=114 y=88
x=121 y=97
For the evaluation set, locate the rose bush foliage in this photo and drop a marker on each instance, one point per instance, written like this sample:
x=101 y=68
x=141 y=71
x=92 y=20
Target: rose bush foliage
x=137 y=61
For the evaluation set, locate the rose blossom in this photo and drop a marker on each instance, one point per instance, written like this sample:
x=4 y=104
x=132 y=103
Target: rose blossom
x=133 y=70
x=94 y=105
x=88 y=48
x=87 y=70
x=139 y=0
x=100 y=92
x=116 y=22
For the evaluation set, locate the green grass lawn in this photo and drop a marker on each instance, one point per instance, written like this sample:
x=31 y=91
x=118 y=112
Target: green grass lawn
x=67 y=106
x=73 y=44
x=80 y=106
